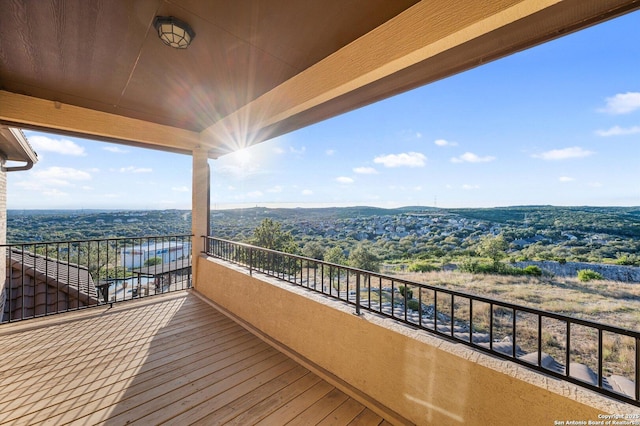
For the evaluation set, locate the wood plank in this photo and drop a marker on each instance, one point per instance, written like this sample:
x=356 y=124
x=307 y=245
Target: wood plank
x=117 y=364
x=278 y=399
x=320 y=409
x=83 y=332
x=72 y=360
x=158 y=382
x=46 y=376
x=183 y=363
x=297 y=405
x=129 y=398
x=344 y=414
x=226 y=389
x=233 y=408
x=366 y=418
x=111 y=324
x=79 y=390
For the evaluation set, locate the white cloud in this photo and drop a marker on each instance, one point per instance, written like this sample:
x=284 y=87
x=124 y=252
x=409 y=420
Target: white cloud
x=622 y=103
x=45 y=180
x=231 y=188
x=297 y=151
x=132 y=169
x=276 y=189
x=405 y=159
x=255 y=194
x=470 y=157
x=307 y=192
x=330 y=151
x=59 y=146
x=344 y=179
x=365 y=170
x=566 y=179
x=61 y=175
x=55 y=193
x=443 y=142
x=180 y=189
x=619 y=131
x=278 y=150
x=115 y=149
x=596 y=185
x=563 y=154
x=468 y=187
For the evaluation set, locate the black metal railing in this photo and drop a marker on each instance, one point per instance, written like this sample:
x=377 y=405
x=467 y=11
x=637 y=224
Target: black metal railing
x=600 y=357
x=44 y=278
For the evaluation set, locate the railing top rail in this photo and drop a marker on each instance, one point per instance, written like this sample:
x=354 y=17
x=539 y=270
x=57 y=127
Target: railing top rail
x=92 y=240
x=494 y=302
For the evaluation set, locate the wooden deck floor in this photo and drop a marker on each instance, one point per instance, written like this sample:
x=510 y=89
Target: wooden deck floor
x=171 y=359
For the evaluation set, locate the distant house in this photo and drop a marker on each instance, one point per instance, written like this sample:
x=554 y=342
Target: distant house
x=37 y=285
x=135 y=257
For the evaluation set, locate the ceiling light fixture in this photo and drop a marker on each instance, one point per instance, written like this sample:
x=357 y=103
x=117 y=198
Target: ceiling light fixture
x=174 y=32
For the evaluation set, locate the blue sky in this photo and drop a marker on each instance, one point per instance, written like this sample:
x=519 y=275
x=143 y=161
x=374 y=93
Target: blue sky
x=556 y=124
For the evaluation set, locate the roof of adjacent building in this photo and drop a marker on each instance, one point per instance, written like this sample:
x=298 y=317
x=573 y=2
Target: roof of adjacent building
x=15 y=146
x=67 y=277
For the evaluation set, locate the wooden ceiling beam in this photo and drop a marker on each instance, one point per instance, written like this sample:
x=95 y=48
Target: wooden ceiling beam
x=34 y=113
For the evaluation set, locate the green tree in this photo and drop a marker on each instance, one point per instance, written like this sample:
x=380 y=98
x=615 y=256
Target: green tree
x=335 y=255
x=313 y=250
x=361 y=258
x=117 y=272
x=493 y=247
x=269 y=234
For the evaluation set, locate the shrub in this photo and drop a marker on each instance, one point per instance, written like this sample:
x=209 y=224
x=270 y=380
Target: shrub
x=585 y=275
x=413 y=304
x=406 y=292
x=422 y=267
x=532 y=270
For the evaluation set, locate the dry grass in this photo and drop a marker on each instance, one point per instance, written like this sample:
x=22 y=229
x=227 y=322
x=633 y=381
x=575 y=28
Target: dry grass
x=607 y=302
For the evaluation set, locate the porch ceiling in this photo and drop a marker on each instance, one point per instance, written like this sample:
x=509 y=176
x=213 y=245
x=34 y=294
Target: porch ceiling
x=256 y=69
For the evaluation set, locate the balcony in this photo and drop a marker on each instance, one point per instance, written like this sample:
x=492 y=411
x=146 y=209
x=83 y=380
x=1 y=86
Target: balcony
x=270 y=338
x=277 y=68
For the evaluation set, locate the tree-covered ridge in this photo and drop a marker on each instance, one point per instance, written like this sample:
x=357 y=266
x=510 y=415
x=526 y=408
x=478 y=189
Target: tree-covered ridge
x=65 y=225
x=435 y=236
x=623 y=221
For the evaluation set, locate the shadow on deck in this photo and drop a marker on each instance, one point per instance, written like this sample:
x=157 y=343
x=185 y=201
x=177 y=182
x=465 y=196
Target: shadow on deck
x=167 y=359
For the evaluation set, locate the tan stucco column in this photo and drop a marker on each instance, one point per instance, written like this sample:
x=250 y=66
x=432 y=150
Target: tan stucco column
x=199 y=206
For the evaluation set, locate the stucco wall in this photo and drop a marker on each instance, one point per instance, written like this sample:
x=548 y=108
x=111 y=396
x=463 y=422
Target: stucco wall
x=424 y=378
